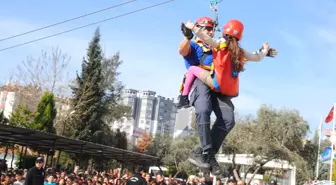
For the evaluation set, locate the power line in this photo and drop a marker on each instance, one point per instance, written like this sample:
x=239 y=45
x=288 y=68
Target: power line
x=87 y=25
x=69 y=20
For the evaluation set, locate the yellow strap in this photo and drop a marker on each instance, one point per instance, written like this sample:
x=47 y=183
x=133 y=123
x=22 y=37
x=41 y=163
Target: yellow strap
x=221 y=46
x=204 y=48
x=182 y=85
x=212 y=68
x=209 y=68
x=205 y=67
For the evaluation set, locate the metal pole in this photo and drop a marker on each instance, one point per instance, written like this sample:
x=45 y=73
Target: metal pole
x=319 y=146
x=332 y=145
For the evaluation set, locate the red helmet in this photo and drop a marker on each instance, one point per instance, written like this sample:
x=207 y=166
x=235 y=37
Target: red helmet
x=205 y=22
x=234 y=28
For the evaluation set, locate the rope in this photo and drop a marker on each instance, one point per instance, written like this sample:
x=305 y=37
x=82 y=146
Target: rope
x=213 y=7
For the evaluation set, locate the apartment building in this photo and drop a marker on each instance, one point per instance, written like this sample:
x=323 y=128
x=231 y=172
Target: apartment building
x=183 y=123
x=150 y=112
x=12 y=95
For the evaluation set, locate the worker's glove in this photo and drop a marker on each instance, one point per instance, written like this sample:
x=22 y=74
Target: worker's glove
x=187 y=32
x=271 y=52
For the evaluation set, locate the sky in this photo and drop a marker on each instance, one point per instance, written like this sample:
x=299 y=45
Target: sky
x=301 y=77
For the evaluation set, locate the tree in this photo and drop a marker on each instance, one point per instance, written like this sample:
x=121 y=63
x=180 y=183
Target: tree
x=144 y=142
x=117 y=138
x=22 y=117
x=160 y=146
x=47 y=71
x=179 y=152
x=88 y=96
x=114 y=111
x=310 y=154
x=273 y=135
x=120 y=139
x=46 y=113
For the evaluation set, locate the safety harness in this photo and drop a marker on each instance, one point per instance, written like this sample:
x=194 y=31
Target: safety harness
x=206 y=53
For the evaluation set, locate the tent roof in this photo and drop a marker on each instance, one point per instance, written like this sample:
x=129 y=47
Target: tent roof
x=29 y=137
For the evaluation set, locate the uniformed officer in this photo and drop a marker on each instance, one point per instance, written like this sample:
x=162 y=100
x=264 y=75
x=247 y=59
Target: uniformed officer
x=137 y=178
x=35 y=175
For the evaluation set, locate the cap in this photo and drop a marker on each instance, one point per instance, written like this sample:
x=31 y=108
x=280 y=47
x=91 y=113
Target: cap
x=40 y=159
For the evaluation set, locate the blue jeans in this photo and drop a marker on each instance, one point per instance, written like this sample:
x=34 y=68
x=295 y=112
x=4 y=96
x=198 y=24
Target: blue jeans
x=205 y=101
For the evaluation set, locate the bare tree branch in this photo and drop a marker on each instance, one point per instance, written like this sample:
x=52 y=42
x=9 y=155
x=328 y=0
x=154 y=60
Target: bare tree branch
x=47 y=71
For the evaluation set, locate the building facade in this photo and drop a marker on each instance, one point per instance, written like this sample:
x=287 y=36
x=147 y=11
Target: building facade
x=12 y=95
x=149 y=113
x=183 y=123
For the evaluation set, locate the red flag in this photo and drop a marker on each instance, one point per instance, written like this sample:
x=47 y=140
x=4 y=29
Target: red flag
x=330 y=116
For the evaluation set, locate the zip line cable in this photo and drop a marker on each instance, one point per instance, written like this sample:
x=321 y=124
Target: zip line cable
x=214 y=8
x=87 y=25
x=69 y=20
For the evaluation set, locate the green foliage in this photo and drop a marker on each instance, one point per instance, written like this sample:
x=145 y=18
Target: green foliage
x=95 y=99
x=276 y=134
x=160 y=146
x=309 y=154
x=46 y=113
x=113 y=110
x=22 y=117
x=115 y=139
x=88 y=95
x=179 y=152
x=65 y=159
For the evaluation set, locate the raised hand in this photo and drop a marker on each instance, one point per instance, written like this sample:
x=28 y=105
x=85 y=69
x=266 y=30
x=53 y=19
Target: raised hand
x=186 y=32
x=272 y=52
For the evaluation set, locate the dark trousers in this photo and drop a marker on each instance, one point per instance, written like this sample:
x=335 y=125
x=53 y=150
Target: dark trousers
x=205 y=101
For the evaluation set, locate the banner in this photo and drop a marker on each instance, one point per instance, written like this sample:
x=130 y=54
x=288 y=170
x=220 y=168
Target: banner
x=326 y=154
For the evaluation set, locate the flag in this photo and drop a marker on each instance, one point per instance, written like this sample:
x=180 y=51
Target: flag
x=328 y=132
x=330 y=116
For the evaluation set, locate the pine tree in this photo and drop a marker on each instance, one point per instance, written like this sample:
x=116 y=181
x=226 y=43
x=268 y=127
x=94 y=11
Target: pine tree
x=114 y=111
x=22 y=117
x=46 y=113
x=88 y=95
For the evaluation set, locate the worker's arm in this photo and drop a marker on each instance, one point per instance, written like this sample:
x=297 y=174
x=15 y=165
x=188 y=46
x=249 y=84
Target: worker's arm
x=184 y=47
x=205 y=38
x=255 y=56
x=202 y=36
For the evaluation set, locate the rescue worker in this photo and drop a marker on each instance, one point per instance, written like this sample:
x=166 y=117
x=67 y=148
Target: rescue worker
x=35 y=175
x=137 y=178
x=205 y=100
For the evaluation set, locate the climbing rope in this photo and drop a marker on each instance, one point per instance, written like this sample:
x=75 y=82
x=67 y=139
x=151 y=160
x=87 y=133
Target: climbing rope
x=213 y=7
